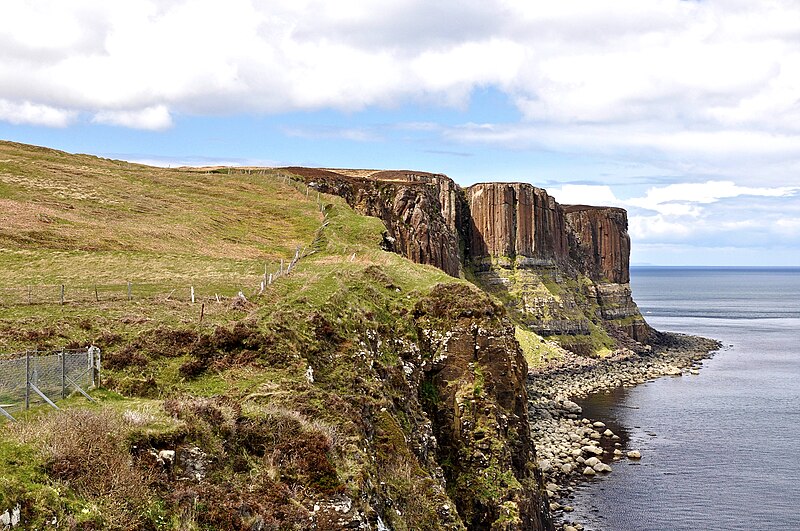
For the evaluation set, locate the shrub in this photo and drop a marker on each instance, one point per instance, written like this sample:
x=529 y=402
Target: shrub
x=86 y=450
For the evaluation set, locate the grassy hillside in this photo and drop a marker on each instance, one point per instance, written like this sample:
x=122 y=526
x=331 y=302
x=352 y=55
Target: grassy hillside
x=78 y=219
x=271 y=449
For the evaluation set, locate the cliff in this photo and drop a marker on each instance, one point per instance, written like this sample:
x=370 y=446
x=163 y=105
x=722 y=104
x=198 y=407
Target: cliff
x=474 y=392
x=369 y=393
x=420 y=210
x=561 y=271
x=599 y=242
x=515 y=223
x=600 y=247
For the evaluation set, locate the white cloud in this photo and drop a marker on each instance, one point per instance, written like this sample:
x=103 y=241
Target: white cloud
x=35 y=114
x=722 y=63
x=152 y=118
x=660 y=228
x=664 y=198
x=584 y=194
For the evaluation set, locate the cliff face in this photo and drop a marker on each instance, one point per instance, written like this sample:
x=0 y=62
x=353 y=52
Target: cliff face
x=599 y=242
x=420 y=210
x=600 y=247
x=476 y=396
x=561 y=271
x=515 y=223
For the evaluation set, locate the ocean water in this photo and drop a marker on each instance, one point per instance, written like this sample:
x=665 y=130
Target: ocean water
x=721 y=450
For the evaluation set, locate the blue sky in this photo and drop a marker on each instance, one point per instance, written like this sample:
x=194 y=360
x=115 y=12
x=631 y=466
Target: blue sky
x=685 y=113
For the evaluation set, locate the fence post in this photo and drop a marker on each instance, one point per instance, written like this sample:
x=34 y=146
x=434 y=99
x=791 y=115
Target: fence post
x=129 y=291
x=93 y=360
x=62 y=294
x=30 y=294
x=27 y=380
x=63 y=375
x=191 y=290
x=90 y=361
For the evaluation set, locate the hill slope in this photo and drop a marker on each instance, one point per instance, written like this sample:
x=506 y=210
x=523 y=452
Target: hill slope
x=359 y=391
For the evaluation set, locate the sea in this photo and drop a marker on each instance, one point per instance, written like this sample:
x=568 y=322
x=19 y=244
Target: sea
x=721 y=449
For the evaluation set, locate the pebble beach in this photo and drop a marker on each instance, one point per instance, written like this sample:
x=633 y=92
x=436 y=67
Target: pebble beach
x=571 y=448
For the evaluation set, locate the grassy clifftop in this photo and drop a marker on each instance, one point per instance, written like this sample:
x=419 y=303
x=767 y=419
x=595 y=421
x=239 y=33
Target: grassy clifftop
x=314 y=404
x=78 y=218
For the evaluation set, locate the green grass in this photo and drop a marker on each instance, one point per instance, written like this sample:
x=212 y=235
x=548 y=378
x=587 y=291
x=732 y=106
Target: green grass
x=537 y=350
x=80 y=221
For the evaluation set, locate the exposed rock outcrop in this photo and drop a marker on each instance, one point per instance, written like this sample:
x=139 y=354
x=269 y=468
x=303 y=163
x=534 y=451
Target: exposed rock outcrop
x=599 y=242
x=561 y=271
x=420 y=210
x=476 y=396
x=600 y=248
x=514 y=224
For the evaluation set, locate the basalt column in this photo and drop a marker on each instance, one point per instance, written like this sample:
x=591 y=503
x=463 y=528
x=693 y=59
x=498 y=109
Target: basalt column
x=514 y=224
x=600 y=247
x=518 y=249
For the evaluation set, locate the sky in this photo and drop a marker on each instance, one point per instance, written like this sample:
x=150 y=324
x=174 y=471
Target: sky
x=686 y=113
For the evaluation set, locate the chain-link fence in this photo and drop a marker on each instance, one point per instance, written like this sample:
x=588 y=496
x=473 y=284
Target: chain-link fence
x=35 y=377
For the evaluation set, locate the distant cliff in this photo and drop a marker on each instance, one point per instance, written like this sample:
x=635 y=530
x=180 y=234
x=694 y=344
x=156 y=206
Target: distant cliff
x=516 y=224
x=561 y=271
x=420 y=210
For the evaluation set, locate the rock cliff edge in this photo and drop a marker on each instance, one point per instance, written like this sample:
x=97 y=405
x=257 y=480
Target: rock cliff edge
x=561 y=271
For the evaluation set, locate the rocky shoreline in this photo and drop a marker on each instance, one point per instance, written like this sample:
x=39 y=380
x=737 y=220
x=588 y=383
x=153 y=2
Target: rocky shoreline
x=570 y=447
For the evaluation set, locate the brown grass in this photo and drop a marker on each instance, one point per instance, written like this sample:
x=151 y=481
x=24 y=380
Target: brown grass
x=133 y=218
x=86 y=450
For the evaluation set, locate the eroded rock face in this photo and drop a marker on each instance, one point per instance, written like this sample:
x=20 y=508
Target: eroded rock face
x=479 y=410
x=514 y=223
x=599 y=242
x=618 y=309
x=600 y=248
x=561 y=270
x=419 y=210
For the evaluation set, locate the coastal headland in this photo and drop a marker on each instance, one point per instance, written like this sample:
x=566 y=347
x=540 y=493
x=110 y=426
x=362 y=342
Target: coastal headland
x=295 y=348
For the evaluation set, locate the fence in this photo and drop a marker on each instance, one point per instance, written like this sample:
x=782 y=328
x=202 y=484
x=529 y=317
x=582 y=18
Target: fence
x=130 y=291
x=123 y=291
x=35 y=377
x=256 y=285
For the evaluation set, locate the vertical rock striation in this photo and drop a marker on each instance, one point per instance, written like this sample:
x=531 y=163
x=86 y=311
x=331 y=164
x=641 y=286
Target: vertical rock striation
x=600 y=247
x=514 y=224
x=562 y=271
x=420 y=210
x=599 y=242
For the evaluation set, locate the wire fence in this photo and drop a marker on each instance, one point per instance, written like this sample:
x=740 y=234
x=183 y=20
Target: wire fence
x=129 y=291
x=34 y=294
x=36 y=377
x=70 y=293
